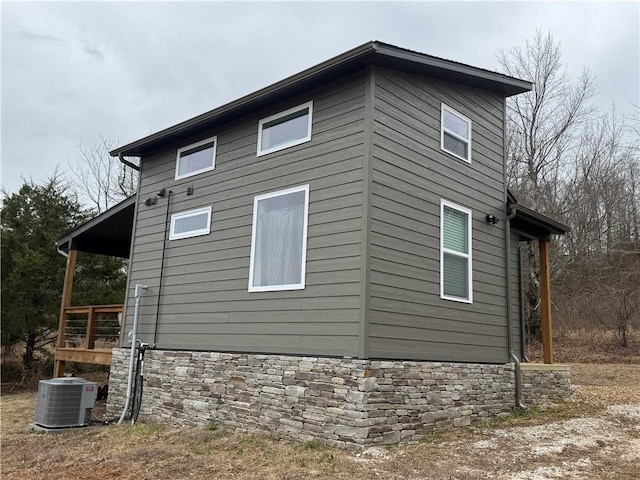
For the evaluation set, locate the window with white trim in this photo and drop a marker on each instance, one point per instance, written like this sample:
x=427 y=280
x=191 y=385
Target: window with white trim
x=455 y=253
x=285 y=129
x=279 y=240
x=196 y=158
x=455 y=133
x=190 y=223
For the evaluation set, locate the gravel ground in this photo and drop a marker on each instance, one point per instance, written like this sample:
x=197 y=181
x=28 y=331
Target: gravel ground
x=606 y=446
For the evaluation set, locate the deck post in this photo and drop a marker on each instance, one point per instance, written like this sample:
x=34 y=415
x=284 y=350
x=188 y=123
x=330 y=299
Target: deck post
x=67 y=289
x=91 y=328
x=545 y=302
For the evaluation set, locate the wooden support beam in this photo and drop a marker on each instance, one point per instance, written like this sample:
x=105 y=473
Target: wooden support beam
x=90 y=339
x=100 y=356
x=545 y=302
x=67 y=289
x=58 y=368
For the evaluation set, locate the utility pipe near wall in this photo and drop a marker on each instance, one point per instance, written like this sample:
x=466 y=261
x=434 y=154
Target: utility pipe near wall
x=511 y=212
x=523 y=331
x=167 y=229
x=133 y=333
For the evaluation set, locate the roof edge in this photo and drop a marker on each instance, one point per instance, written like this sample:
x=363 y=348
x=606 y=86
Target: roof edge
x=555 y=227
x=454 y=66
x=68 y=237
x=373 y=52
x=281 y=85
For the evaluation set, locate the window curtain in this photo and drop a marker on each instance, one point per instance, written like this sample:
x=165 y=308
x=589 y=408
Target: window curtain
x=279 y=249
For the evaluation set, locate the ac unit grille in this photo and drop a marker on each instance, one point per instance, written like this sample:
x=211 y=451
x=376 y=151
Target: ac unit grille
x=65 y=402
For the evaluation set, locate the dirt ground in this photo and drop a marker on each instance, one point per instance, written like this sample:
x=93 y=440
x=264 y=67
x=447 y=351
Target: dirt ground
x=596 y=436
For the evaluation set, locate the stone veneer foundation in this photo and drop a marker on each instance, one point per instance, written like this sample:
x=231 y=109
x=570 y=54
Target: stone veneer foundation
x=339 y=402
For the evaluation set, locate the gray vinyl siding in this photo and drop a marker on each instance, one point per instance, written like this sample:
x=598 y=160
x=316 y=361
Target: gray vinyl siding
x=410 y=175
x=204 y=302
x=377 y=176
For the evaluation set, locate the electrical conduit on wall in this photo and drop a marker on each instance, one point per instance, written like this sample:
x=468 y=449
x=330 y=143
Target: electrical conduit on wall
x=133 y=334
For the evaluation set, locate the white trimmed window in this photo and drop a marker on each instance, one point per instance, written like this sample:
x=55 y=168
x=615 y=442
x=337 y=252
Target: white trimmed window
x=279 y=240
x=190 y=223
x=285 y=129
x=455 y=133
x=455 y=253
x=196 y=158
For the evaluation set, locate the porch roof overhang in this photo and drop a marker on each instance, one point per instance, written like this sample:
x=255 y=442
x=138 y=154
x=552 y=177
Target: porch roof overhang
x=109 y=233
x=532 y=225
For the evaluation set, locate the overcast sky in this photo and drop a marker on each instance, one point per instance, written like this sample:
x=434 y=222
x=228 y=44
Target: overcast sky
x=72 y=72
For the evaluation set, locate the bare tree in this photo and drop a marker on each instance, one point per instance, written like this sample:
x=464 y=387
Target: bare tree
x=542 y=124
x=600 y=187
x=101 y=180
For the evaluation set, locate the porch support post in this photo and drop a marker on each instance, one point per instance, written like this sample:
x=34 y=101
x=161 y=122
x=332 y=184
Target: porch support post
x=545 y=302
x=90 y=340
x=58 y=369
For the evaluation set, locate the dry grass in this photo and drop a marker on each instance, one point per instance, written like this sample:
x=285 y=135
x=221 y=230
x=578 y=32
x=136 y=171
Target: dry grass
x=146 y=451
x=589 y=346
x=515 y=448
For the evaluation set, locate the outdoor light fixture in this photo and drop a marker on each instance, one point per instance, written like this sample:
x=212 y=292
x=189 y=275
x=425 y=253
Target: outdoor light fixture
x=491 y=219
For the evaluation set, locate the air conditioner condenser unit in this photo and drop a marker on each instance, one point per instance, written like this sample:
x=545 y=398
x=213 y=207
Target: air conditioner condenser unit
x=65 y=402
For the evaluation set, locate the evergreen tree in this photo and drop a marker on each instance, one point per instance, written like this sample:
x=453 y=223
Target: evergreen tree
x=33 y=271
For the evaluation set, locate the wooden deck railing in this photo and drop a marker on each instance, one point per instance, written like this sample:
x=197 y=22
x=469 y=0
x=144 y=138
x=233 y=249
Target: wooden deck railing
x=87 y=334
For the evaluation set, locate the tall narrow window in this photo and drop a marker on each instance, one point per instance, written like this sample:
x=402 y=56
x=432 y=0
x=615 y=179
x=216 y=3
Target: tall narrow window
x=285 y=129
x=456 y=134
x=196 y=158
x=455 y=253
x=279 y=240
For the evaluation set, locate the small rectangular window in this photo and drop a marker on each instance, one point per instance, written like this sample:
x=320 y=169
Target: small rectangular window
x=279 y=240
x=456 y=134
x=455 y=253
x=196 y=158
x=285 y=129
x=190 y=223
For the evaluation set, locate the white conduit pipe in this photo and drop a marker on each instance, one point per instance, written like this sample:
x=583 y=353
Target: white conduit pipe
x=133 y=333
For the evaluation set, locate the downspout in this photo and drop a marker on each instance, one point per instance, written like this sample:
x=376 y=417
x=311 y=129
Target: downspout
x=62 y=252
x=511 y=212
x=134 y=333
x=128 y=163
x=523 y=332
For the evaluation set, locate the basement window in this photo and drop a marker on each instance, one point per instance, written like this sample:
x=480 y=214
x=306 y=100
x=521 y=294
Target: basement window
x=285 y=129
x=196 y=158
x=455 y=134
x=190 y=223
x=455 y=253
x=279 y=240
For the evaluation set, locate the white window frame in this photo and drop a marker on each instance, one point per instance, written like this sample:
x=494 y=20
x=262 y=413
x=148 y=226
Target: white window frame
x=453 y=134
x=303 y=267
x=186 y=214
x=292 y=143
x=468 y=256
x=195 y=145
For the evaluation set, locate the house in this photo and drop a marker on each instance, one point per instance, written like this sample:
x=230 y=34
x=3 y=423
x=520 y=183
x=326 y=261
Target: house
x=334 y=257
